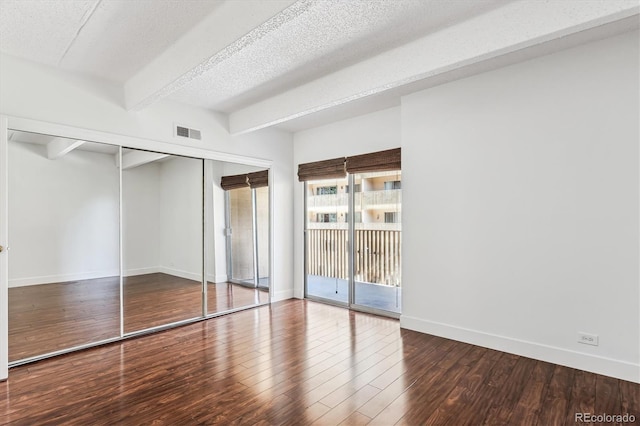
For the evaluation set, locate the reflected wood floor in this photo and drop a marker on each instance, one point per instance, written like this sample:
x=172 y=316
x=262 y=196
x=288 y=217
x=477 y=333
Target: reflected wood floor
x=299 y=362
x=51 y=317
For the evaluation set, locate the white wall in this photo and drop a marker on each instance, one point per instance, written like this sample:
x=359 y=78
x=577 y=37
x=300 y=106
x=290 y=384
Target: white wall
x=141 y=224
x=63 y=215
x=521 y=194
x=181 y=217
x=360 y=135
x=37 y=92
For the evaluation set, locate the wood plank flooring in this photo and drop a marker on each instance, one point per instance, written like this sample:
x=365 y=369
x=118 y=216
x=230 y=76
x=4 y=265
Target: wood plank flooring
x=299 y=362
x=51 y=317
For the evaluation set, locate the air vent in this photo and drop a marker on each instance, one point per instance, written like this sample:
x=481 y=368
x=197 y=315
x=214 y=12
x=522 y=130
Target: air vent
x=194 y=134
x=185 y=132
x=182 y=131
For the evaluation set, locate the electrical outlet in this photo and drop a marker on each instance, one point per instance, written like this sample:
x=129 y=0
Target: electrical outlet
x=588 y=339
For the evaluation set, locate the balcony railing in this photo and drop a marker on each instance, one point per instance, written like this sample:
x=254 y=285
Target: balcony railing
x=377 y=255
x=378 y=199
x=387 y=198
x=328 y=200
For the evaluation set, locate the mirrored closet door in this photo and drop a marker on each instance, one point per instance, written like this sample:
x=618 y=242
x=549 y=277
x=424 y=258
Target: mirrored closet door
x=64 y=263
x=108 y=242
x=162 y=228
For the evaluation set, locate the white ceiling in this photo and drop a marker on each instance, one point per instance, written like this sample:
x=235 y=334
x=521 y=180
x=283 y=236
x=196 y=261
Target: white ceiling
x=111 y=39
x=295 y=64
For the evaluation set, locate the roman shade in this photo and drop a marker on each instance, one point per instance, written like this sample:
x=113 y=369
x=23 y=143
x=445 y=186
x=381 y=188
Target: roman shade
x=327 y=169
x=234 y=182
x=375 y=161
x=258 y=179
x=380 y=161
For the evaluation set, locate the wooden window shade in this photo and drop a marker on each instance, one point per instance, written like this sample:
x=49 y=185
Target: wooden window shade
x=375 y=162
x=258 y=179
x=328 y=169
x=234 y=182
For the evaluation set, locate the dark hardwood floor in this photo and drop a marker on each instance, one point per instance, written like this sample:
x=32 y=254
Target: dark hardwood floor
x=51 y=317
x=299 y=362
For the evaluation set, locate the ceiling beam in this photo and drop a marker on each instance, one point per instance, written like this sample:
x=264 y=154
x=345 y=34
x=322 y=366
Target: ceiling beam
x=501 y=32
x=59 y=147
x=218 y=36
x=138 y=158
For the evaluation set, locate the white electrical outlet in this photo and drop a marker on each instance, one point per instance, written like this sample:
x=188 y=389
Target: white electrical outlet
x=588 y=339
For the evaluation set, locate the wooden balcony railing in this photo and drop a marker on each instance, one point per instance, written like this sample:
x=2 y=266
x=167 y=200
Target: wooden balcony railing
x=377 y=255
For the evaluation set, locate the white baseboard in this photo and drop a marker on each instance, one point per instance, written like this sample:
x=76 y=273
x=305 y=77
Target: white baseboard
x=141 y=271
x=180 y=273
x=62 y=278
x=216 y=279
x=163 y=270
x=282 y=295
x=587 y=362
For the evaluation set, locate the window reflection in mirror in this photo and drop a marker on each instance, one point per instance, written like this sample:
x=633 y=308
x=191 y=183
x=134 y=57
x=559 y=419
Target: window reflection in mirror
x=238 y=254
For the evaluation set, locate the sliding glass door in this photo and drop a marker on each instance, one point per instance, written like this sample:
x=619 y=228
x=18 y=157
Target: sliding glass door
x=327 y=240
x=353 y=231
x=377 y=236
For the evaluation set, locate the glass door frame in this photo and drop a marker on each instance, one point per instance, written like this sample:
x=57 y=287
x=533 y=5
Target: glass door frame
x=351 y=257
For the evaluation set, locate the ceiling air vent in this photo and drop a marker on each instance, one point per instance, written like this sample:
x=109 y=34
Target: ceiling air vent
x=185 y=132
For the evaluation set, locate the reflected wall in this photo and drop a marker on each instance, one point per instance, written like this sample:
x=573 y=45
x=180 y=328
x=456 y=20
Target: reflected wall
x=162 y=219
x=64 y=263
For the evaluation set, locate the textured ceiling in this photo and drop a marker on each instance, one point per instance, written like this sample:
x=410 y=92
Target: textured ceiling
x=41 y=31
x=329 y=35
x=111 y=39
